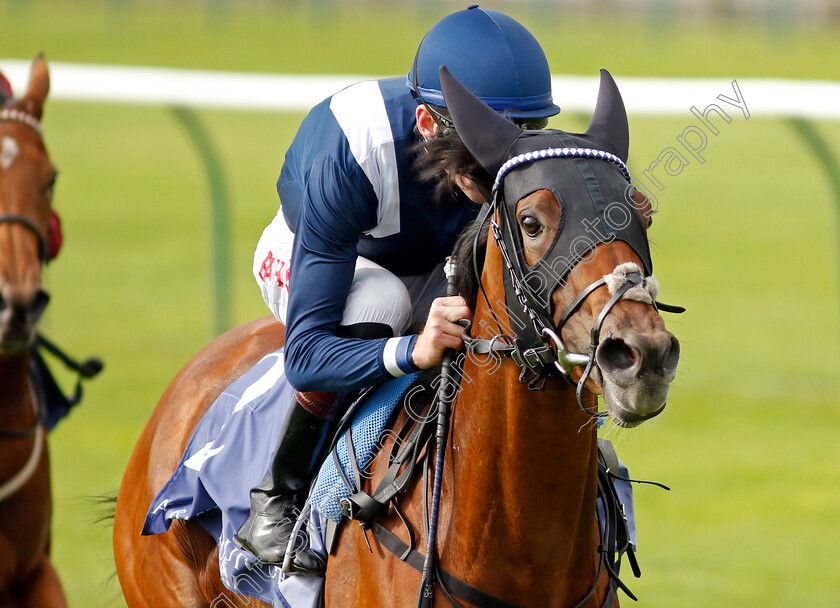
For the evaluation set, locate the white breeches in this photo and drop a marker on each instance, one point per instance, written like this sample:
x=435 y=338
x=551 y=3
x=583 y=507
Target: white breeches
x=376 y=294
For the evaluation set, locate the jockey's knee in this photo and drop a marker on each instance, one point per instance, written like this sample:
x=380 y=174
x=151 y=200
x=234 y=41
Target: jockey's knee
x=365 y=331
x=377 y=298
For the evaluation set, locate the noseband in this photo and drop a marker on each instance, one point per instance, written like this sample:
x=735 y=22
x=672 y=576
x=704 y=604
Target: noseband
x=43 y=246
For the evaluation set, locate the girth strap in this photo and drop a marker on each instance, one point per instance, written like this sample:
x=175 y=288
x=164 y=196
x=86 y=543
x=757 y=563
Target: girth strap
x=364 y=507
x=453 y=584
x=450 y=583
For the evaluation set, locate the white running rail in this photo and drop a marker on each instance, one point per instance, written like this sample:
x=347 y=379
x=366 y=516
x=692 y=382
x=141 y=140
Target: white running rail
x=813 y=99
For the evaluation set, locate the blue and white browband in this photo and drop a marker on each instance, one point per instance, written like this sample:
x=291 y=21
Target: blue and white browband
x=14 y=115
x=559 y=153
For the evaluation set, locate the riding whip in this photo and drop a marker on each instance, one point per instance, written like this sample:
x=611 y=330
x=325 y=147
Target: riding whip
x=425 y=597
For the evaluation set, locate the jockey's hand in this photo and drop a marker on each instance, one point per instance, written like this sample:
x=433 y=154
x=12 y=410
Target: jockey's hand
x=441 y=331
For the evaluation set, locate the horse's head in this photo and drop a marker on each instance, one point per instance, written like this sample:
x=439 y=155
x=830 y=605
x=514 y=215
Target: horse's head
x=572 y=232
x=26 y=183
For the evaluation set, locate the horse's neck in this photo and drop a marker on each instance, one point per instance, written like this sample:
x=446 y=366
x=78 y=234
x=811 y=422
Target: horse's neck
x=523 y=479
x=524 y=471
x=16 y=410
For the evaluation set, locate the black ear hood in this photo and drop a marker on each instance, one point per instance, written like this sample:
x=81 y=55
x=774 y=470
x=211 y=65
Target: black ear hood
x=585 y=171
x=489 y=135
x=486 y=133
x=588 y=176
x=608 y=125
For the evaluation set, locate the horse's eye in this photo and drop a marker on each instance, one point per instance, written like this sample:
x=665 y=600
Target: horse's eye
x=531 y=226
x=51 y=186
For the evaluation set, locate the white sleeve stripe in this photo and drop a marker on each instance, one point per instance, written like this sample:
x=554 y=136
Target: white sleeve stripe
x=389 y=356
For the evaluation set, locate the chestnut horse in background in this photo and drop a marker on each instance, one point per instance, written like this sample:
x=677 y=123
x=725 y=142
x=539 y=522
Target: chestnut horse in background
x=27 y=577
x=520 y=478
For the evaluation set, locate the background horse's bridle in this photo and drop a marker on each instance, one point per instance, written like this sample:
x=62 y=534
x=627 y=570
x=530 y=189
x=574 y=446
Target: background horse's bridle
x=13 y=115
x=43 y=244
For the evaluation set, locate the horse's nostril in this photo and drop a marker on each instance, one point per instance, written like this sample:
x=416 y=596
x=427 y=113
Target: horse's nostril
x=38 y=304
x=615 y=355
x=672 y=357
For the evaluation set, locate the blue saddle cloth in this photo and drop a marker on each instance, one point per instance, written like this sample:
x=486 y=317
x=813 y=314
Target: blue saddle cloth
x=368 y=424
x=230 y=452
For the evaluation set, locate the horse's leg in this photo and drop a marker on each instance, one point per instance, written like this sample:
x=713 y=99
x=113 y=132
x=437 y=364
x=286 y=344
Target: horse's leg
x=153 y=570
x=42 y=589
x=178 y=568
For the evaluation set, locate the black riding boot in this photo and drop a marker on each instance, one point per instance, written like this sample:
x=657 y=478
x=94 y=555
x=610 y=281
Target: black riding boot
x=304 y=440
x=276 y=502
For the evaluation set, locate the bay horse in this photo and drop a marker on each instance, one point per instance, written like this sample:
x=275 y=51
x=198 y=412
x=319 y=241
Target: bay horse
x=517 y=518
x=27 y=576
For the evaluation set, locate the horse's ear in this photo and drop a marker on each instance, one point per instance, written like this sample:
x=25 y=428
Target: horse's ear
x=39 y=86
x=487 y=134
x=609 y=121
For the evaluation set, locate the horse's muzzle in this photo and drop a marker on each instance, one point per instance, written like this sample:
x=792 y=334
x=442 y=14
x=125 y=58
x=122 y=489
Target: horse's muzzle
x=18 y=315
x=637 y=370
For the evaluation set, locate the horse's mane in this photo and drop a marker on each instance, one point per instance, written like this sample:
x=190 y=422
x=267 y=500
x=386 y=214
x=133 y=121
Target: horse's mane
x=469 y=250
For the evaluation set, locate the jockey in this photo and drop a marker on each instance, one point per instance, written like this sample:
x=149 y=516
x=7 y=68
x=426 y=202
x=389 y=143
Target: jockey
x=353 y=259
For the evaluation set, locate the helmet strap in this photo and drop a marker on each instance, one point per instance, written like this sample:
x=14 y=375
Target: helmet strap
x=444 y=130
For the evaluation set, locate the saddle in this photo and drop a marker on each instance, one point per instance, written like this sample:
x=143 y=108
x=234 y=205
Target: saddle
x=357 y=454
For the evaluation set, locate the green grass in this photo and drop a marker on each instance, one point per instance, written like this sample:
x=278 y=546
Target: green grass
x=381 y=37
x=133 y=286
x=747 y=241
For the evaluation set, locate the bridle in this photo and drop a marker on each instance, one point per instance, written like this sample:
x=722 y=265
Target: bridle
x=14 y=115
x=17 y=481
x=544 y=354
x=43 y=245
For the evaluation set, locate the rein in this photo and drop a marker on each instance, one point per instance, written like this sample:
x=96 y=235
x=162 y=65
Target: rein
x=19 y=479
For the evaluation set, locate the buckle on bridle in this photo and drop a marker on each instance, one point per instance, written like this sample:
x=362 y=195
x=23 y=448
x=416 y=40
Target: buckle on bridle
x=535 y=358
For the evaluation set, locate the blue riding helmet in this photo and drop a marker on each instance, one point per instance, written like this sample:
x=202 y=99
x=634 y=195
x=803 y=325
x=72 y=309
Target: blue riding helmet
x=492 y=55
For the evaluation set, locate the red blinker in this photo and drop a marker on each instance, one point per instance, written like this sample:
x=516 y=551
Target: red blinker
x=54 y=236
